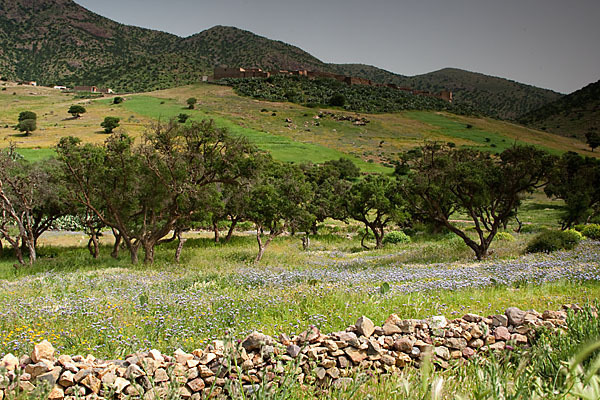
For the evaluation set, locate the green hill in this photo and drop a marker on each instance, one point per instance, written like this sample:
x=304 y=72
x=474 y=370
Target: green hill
x=59 y=42
x=493 y=96
x=572 y=115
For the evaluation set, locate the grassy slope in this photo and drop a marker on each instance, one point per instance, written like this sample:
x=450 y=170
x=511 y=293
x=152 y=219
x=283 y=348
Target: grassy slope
x=301 y=140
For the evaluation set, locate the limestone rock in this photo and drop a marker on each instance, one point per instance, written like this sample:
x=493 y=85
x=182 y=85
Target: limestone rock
x=438 y=322
x=56 y=394
x=501 y=333
x=442 y=352
x=254 y=341
x=515 y=316
x=365 y=327
x=9 y=362
x=42 y=351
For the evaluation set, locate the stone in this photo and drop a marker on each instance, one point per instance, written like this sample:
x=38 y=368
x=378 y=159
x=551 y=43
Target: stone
x=343 y=383
x=254 y=341
x=546 y=315
x=518 y=339
x=402 y=359
x=9 y=362
x=365 y=327
x=356 y=355
x=477 y=343
x=56 y=394
x=387 y=359
x=456 y=343
x=333 y=372
x=208 y=358
x=156 y=355
x=133 y=372
x=498 y=346
x=515 y=316
x=120 y=384
x=349 y=338
x=205 y=372
x=390 y=326
x=156 y=393
x=182 y=357
x=92 y=383
x=321 y=373
x=343 y=362
x=196 y=385
x=311 y=335
x=81 y=374
x=36 y=369
x=499 y=320
x=328 y=363
x=442 y=352
x=51 y=377
x=403 y=344
x=472 y=318
x=438 y=322
x=184 y=393
x=408 y=325
x=42 y=351
x=108 y=379
x=501 y=333
x=160 y=375
x=468 y=352
x=476 y=331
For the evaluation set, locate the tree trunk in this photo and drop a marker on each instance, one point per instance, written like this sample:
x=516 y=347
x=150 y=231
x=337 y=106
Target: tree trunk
x=315 y=228
x=520 y=224
x=378 y=232
x=216 y=231
x=362 y=240
x=305 y=242
x=231 y=229
x=93 y=245
x=32 y=252
x=179 y=248
x=149 y=252
x=133 y=251
x=261 y=246
x=117 y=245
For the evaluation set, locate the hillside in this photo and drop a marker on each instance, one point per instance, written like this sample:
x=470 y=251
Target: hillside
x=572 y=115
x=60 y=42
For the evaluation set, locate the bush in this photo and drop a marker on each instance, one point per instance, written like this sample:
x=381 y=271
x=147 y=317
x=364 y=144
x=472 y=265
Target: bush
x=337 y=100
x=396 y=237
x=118 y=100
x=110 y=123
x=591 y=231
x=579 y=227
x=549 y=241
x=505 y=237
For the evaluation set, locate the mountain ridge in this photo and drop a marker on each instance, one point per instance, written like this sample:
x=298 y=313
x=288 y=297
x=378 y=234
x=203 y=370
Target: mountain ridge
x=61 y=42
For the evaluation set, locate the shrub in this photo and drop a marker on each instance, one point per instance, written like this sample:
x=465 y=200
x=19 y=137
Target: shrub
x=396 y=237
x=591 y=231
x=118 y=100
x=549 y=241
x=505 y=237
x=579 y=227
x=337 y=100
x=110 y=123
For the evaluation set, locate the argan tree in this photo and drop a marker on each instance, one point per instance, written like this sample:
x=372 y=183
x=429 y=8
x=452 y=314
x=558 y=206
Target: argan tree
x=27 y=122
x=485 y=187
x=376 y=202
x=576 y=181
x=277 y=202
x=145 y=192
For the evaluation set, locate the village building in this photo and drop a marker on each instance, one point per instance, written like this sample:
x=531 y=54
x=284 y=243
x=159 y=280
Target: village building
x=60 y=87
x=90 y=89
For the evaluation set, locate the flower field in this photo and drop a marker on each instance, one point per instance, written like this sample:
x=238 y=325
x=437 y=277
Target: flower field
x=111 y=309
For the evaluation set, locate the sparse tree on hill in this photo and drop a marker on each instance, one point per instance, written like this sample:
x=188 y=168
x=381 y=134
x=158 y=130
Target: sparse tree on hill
x=25 y=115
x=592 y=138
x=27 y=126
x=110 y=123
x=76 y=110
x=191 y=102
x=182 y=118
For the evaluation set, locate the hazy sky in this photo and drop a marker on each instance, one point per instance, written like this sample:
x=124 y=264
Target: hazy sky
x=548 y=43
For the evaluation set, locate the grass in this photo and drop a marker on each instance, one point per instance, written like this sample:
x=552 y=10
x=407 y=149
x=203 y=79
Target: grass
x=281 y=147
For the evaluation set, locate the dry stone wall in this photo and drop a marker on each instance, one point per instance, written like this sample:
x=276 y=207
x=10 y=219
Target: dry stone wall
x=225 y=368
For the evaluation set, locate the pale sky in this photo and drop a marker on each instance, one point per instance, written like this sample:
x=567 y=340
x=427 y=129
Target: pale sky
x=552 y=44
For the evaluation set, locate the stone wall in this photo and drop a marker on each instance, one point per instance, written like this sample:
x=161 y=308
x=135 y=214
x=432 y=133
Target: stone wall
x=316 y=358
